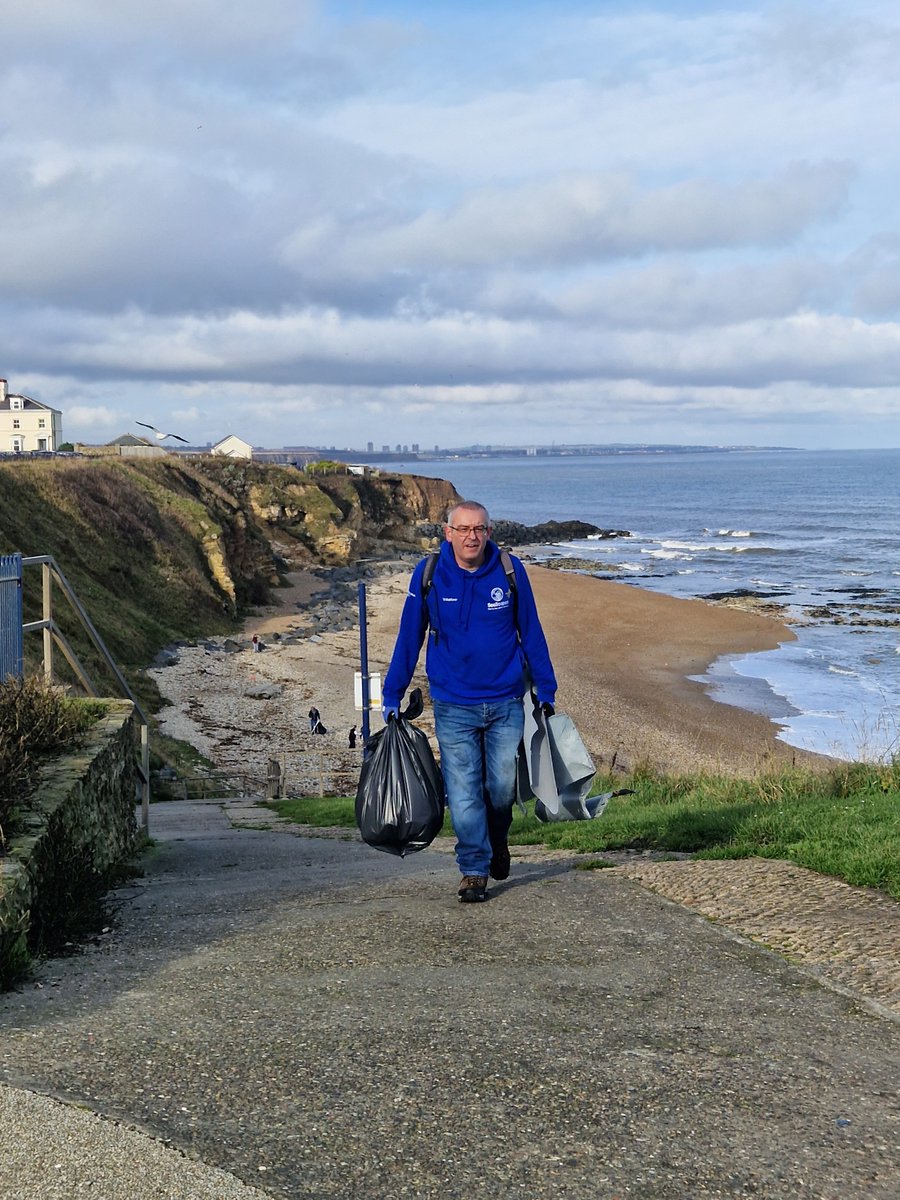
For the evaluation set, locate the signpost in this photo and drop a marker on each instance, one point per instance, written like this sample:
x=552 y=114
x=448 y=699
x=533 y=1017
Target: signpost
x=367 y=688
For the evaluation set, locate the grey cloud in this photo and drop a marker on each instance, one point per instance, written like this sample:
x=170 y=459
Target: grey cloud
x=137 y=205
x=832 y=351
x=876 y=266
x=588 y=217
x=825 y=49
x=668 y=294
x=280 y=51
x=681 y=295
x=259 y=203
x=202 y=27
x=324 y=348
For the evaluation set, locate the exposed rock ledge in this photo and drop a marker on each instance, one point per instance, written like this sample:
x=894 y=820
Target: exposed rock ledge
x=514 y=533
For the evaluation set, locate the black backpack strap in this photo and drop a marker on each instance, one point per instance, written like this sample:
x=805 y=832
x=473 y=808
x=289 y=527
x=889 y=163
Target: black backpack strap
x=428 y=573
x=511 y=576
x=427 y=579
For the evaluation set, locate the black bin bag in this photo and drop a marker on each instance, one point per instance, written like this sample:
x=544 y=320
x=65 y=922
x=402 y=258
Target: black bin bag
x=400 y=796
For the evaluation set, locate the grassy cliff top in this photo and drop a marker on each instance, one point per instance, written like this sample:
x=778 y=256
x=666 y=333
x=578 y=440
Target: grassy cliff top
x=169 y=549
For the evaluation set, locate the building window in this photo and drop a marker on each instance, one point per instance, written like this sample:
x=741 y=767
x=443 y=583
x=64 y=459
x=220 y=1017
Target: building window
x=42 y=424
x=15 y=422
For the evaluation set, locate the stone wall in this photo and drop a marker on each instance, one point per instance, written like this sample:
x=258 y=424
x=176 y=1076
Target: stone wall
x=75 y=842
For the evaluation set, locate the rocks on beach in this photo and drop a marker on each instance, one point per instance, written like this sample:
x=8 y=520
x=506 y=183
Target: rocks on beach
x=241 y=708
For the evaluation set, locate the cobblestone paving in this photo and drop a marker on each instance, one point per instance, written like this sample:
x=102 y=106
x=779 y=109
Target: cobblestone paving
x=848 y=936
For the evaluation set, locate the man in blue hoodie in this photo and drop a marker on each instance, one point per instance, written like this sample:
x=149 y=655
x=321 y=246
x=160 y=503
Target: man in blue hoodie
x=484 y=643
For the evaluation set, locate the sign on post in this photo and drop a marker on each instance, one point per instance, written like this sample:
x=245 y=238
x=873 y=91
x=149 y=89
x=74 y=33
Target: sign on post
x=374 y=690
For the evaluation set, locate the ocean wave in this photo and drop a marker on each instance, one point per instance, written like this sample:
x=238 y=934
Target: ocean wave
x=668 y=554
x=759 y=582
x=741 y=533
x=725 y=548
x=841 y=671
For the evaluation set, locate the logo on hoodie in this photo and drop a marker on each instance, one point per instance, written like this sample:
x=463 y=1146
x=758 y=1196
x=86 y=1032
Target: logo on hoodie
x=499 y=599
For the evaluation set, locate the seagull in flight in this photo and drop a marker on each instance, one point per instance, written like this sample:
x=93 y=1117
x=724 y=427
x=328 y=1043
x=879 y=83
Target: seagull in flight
x=161 y=437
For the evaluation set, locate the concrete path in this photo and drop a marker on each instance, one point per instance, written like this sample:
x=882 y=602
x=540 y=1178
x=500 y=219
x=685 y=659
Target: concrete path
x=289 y=1017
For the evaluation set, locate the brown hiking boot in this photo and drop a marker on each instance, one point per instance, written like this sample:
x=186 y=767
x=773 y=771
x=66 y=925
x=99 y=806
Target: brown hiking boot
x=473 y=889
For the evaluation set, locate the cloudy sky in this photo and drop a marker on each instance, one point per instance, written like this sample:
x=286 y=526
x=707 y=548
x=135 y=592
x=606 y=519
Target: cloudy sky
x=317 y=223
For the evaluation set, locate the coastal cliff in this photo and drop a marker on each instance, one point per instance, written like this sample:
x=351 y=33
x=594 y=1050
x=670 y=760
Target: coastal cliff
x=168 y=549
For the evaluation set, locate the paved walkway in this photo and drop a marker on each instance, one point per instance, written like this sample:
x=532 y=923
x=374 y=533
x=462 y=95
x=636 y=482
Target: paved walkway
x=272 y=1015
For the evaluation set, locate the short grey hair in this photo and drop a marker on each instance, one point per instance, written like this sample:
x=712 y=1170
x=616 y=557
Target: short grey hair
x=473 y=505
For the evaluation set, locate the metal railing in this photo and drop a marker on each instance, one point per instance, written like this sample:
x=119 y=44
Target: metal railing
x=54 y=638
x=10 y=615
x=280 y=782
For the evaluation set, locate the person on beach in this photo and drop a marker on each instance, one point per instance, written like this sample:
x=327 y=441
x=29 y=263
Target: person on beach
x=485 y=643
x=313 y=719
x=351 y=738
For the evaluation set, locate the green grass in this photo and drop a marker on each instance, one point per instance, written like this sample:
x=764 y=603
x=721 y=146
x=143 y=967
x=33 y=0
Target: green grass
x=845 y=822
x=37 y=723
x=321 y=811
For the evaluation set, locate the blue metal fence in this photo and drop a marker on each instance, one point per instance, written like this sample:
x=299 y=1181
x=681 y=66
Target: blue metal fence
x=10 y=615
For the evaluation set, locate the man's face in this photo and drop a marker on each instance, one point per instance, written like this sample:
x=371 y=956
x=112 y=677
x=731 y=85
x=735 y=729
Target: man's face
x=468 y=532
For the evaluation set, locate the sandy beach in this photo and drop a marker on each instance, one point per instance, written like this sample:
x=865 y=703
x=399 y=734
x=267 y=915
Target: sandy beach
x=622 y=658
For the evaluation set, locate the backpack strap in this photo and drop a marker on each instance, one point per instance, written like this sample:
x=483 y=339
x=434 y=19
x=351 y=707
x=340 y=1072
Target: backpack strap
x=427 y=580
x=431 y=564
x=428 y=573
x=511 y=576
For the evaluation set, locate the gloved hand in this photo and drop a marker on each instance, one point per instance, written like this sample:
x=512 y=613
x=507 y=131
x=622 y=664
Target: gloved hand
x=387 y=713
x=547 y=709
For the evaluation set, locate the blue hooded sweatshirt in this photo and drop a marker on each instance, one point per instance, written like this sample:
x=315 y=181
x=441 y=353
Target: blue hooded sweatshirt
x=474 y=625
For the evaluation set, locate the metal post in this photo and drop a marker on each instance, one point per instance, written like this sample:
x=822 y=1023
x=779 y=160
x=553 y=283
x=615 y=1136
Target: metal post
x=11 y=628
x=364 y=664
x=145 y=775
x=52 y=635
x=47 y=590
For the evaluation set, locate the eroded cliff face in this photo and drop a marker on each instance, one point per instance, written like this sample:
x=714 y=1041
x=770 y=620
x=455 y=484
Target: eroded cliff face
x=172 y=548
x=333 y=518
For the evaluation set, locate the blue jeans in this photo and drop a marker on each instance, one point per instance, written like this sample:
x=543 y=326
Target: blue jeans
x=478 y=761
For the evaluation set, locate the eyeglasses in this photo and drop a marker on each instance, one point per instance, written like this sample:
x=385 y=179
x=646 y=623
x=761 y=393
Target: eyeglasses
x=465 y=530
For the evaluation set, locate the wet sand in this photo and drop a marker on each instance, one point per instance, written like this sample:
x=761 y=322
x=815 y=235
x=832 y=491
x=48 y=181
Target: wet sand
x=624 y=658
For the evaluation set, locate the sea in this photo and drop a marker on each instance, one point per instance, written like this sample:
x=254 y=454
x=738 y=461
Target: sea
x=810 y=535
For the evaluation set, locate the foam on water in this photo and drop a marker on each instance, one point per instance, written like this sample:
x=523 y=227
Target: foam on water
x=813 y=532
x=819 y=705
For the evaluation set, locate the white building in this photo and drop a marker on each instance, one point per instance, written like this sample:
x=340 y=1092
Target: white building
x=26 y=424
x=233 y=447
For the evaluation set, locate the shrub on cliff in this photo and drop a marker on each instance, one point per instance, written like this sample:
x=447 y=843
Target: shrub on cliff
x=326 y=466
x=37 y=722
